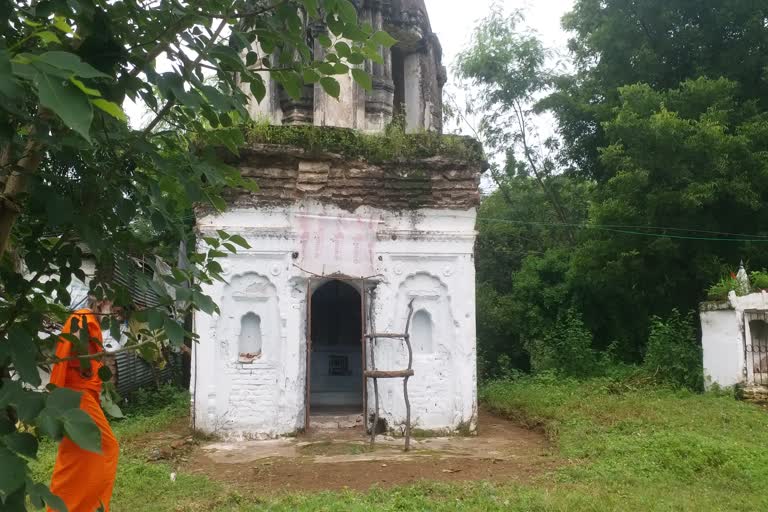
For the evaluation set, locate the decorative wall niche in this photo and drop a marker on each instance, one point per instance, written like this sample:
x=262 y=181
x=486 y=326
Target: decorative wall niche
x=250 y=331
x=249 y=342
x=421 y=332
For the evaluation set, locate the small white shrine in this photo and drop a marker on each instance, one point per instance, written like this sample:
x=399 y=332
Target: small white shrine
x=734 y=338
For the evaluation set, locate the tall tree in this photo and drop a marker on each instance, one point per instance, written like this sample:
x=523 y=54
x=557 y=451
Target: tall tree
x=74 y=173
x=658 y=42
x=507 y=65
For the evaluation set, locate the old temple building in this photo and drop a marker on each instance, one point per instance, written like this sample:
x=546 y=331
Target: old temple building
x=345 y=244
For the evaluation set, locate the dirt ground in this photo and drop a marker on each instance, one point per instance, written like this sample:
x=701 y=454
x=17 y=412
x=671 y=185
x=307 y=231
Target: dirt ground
x=502 y=451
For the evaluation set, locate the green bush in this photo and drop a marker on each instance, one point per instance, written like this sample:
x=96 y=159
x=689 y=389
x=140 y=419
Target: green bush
x=721 y=289
x=673 y=354
x=759 y=280
x=565 y=348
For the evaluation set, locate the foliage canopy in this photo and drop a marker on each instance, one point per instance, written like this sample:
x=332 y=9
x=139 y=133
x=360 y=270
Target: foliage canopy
x=78 y=181
x=659 y=170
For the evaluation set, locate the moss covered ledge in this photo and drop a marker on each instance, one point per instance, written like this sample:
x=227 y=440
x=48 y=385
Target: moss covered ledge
x=391 y=146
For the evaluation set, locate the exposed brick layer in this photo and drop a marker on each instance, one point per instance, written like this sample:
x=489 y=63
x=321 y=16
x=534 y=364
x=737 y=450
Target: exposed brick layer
x=287 y=174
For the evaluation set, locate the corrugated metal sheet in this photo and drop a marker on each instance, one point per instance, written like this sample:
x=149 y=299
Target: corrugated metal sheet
x=126 y=273
x=134 y=373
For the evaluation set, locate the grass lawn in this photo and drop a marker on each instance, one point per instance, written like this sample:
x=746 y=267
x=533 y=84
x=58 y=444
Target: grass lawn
x=625 y=449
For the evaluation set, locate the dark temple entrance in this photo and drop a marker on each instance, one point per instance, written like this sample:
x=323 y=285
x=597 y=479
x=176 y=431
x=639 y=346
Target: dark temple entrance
x=336 y=372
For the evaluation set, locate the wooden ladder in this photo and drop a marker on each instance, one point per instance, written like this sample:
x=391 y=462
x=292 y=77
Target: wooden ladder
x=375 y=374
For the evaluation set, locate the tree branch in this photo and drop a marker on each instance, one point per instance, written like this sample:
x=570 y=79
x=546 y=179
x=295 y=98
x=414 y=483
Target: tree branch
x=188 y=67
x=553 y=197
x=99 y=355
x=166 y=38
x=247 y=14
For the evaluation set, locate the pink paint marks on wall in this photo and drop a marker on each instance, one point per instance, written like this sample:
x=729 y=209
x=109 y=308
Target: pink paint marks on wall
x=333 y=244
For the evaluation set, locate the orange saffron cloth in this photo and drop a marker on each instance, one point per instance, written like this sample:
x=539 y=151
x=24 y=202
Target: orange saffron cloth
x=83 y=479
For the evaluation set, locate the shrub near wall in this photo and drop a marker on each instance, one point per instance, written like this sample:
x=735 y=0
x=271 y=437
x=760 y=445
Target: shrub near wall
x=565 y=348
x=674 y=354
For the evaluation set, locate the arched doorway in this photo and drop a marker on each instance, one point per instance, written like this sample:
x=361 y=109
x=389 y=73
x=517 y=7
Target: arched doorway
x=335 y=359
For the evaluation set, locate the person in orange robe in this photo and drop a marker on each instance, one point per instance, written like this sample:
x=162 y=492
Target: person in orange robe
x=84 y=479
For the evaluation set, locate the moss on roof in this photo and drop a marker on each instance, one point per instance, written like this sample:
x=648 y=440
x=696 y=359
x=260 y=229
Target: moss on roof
x=392 y=145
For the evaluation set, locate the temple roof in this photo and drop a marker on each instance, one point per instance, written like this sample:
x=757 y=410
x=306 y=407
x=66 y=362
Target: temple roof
x=407 y=85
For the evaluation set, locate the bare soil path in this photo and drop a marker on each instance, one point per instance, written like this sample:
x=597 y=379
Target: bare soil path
x=502 y=451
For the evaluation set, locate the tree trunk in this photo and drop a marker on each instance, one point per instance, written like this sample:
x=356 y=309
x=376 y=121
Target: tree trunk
x=16 y=184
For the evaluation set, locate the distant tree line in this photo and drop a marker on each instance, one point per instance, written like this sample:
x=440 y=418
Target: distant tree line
x=654 y=187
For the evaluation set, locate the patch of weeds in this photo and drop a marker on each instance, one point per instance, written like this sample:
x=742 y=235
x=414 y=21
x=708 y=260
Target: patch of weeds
x=646 y=443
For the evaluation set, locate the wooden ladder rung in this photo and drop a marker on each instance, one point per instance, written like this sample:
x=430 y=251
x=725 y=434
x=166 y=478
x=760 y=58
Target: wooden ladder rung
x=386 y=335
x=388 y=374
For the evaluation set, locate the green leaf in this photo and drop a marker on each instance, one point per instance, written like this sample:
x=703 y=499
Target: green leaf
x=22 y=443
x=373 y=54
x=310 y=76
x=362 y=78
x=258 y=89
x=335 y=24
x=81 y=429
x=174 y=331
x=325 y=41
x=67 y=101
x=239 y=240
x=251 y=58
x=24 y=355
x=41 y=493
x=13 y=472
x=292 y=83
x=343 y=49
x=8 y=85
x=87 y=90
x=61 y=400
x=330 y=86
x=227 y=57
x=384 y=39
x=6 y=425
x=356 y=58
x=59 y=210
x=156 y=319
x=48 y=37
x=110 y=406
x=204 y=302
x=347 y=11
x=15 y=502
x=30 y=23
x=340 y=69
x=105 y=374
x=112 y=409
x=50 y=425
x=71 y=62
x=60 y=22
x=325 y=68
x=311 y=7
x=110 y=108
x=29 y=404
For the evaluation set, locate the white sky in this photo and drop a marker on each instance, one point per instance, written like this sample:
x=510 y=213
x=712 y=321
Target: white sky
x=453 y=24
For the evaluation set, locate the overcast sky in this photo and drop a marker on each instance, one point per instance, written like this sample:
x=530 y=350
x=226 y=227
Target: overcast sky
x=453 y=20
x=453 y=25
